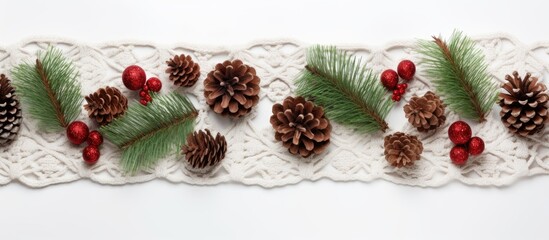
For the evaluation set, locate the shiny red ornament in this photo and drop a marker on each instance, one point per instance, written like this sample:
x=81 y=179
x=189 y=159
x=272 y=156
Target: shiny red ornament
x=91 y=154
x=406 y=70
x=134 y=77
x=95 y=138
x=389 y=79
x=77 y=132
x=154 y=84
x=459 y=132
x=475 y=146
x=459 y=155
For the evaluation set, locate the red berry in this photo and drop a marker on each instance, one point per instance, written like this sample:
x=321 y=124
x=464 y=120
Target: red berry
x=402 y=91
x=134 y=77
x=404 y=85
x=77 y=132
x=154 y=84
x=389 y=79
x=459 y=132
x=143 y=101
x=91 y=154
x=148 y=98
x=396 y=92
x=476 y=146
x=145 y=88
x=396 y=98
x=459 y=155
x=406 y=69
x=143 y=93
x=95 y=138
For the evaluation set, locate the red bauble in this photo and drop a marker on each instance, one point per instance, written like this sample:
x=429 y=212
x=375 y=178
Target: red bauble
x=476 y=146
x=389 y=79
x=77 y=132
x=459 y=132
x=95 y=138
x=459 y=155
x=91 y=154
x=134 y=77
x=406 y=70
x=154 y=84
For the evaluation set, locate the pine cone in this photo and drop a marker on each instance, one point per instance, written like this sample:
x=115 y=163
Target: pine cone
x=183 y=70
x=402 y=149
x=203 y=152
x=232 y=88
x=425 y=113
x=10 y=112
x=106 y=104
x=301 y=126
x=524 y=106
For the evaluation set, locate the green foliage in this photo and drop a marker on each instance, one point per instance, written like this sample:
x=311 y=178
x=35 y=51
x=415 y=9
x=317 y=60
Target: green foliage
x=350 y=94
x=50 y=89
x=147 y=133
x=458 y=71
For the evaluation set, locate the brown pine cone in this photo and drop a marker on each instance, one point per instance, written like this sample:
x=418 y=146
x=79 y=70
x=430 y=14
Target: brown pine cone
x=232 y=88
x=10 y=112
x=524 y=106
x=301 y=126
x=402 y=149
x=425 y=113
x=183 y=70
x=106 y=104
x=203 y=152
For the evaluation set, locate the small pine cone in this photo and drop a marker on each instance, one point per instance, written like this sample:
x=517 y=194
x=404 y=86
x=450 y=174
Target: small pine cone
x=301 y=126
x=183 y=70
x=232 y=88
x=203 y=152
x=524 y=106
x=106 y=104
x=10 y=112
x=425 y=113
x=402 y=149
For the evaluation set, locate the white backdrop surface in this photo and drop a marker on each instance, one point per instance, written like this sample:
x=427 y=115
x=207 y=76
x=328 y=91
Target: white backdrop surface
x=319 y=210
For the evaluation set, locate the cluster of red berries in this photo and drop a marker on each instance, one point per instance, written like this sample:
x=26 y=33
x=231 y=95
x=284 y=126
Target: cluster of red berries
x=134 y=79
x=390 y=78
x=78 y=132
x=460 y=134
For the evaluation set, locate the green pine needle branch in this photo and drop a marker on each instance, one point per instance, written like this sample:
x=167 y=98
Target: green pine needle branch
x=458 y=72
x=350 y=93
x=148 y=133
x=50 y=89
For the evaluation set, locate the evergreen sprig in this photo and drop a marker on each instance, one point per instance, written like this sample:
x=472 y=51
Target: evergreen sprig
x=50 y=89
x=350 y=93
x=458 y=71
x=147 y=133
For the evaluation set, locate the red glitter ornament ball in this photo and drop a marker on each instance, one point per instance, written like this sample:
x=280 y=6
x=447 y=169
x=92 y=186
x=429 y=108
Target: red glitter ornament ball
x=459 y=132
x=154 y=84
x=406 y=70
x=389 y=79
x=95 y=138
x=134 y=77
x=459 y=155
x=91 y=154
x=77 y=132
x=476 y=146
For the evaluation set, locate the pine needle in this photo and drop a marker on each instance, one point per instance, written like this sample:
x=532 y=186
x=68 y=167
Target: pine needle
x=50 y=89
x=350 y=94
x=458 y=72
x=148 y=133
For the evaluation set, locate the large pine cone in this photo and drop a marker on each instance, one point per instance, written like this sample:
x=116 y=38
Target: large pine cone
x=232 y=88
x=10 y=112
x=203 y=152
x=106 y=104
x=524 y=106
x=183 y=70
x=402 y=149
x=425 y=113
x=301 y=126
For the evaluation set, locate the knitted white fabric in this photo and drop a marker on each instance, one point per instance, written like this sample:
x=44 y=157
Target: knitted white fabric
x=40 y=159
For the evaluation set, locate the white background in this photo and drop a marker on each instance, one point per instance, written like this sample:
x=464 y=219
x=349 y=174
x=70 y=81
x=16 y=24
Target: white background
x=309 y=210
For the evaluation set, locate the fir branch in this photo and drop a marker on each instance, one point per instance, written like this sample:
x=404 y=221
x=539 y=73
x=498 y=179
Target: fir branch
x=350 y=94
x=147 y=133
x=50 y=89
x=458 y=71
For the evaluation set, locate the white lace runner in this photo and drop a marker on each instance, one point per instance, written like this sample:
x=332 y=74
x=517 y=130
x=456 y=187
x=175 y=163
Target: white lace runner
x=40 y=159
